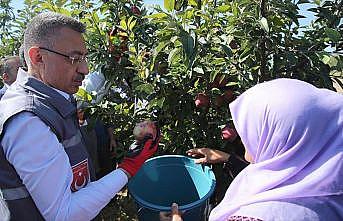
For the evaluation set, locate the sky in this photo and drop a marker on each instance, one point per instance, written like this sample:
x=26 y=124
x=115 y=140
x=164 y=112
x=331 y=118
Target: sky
x=17 y=4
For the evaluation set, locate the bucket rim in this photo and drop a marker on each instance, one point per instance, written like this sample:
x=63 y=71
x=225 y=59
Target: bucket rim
x=143 y=203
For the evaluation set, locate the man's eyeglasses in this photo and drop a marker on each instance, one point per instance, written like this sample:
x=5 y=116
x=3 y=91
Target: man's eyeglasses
x=74 y=60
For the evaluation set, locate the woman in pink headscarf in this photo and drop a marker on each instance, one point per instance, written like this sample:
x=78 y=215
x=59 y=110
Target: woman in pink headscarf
x=293 y=135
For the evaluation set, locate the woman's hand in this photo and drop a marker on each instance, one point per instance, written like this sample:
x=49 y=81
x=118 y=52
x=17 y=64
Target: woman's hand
x=175 y=214
x=208 y=155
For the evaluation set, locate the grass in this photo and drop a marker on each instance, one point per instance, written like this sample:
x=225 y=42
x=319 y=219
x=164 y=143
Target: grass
x=121 y=208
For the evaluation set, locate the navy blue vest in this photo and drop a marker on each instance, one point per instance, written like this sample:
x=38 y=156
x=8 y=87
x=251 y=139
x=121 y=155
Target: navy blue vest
x=30 y=94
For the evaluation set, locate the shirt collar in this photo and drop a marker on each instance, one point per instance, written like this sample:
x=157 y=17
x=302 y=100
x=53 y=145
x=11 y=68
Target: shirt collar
x=64 y=94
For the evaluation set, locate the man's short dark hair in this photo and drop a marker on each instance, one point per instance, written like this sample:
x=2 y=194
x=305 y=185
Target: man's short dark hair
x=44 y=26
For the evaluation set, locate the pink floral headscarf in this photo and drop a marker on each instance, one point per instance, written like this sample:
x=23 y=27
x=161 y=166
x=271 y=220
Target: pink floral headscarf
x=294 y=132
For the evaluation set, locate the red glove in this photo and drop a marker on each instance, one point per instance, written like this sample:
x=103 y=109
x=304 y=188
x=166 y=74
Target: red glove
x=139 y=152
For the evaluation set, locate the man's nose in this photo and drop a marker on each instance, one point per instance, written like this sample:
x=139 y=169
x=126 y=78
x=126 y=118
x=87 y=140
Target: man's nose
x=83 y=68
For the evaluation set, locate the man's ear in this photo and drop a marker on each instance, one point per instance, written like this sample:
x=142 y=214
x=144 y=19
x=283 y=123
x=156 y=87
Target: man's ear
x=35 y=56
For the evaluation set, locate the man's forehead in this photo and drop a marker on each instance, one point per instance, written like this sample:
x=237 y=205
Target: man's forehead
x=72 y=41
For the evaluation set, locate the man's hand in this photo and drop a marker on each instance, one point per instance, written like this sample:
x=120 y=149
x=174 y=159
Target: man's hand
x=174 y=215
x=139 y=152
x=208 y=155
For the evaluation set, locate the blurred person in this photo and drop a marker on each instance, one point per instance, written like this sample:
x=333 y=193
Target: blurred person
x=106 y=146
x=232 y=162
x=22 y=58
x=89 y=136
x=45 y=170
x=8 y=69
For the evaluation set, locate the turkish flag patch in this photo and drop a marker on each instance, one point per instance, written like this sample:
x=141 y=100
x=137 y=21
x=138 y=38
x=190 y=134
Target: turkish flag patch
x=80 y=175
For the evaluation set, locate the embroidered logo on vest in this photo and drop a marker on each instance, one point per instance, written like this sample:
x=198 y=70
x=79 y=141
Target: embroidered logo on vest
x=81 y=175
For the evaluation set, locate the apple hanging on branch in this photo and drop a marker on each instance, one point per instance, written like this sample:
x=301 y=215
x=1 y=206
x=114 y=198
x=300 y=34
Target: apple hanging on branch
x=229 y=134
x=202 y=100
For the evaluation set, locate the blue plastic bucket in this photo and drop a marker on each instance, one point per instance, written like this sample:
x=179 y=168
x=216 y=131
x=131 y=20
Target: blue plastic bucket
x=172 y=178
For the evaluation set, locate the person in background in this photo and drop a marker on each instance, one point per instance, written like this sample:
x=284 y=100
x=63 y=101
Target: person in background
x=293 y=136
x=8 y=69
x=106 y=146
x=89 y=137
x=45 y=170
x=232 y=162
x=22 y=58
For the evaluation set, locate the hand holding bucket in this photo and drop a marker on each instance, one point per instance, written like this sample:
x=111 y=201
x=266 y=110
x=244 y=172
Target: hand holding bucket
x=174 y=215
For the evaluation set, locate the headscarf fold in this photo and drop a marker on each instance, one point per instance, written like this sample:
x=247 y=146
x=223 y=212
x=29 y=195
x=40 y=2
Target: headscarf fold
x=294 y=132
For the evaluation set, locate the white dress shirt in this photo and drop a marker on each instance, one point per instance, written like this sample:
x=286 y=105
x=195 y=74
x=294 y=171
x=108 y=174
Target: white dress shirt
x=43 y=165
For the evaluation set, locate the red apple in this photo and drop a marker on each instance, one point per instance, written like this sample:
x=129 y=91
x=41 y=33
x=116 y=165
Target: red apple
x=202 y=100
x=143 y=129
x=135 y=10
x=234 y=44
x=228 y=96
x=218 y=102
x=111 y=48
x=229 y=134
x=123 y=47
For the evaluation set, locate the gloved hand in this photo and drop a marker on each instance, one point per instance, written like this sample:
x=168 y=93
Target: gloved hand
x=139 y=152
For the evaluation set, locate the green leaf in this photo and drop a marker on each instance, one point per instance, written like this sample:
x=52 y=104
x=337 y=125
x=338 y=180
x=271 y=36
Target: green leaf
x=157 y=102
x=223 y=8
x=169 y=5
x=198 y=70
x=173 y=55
x=84 y=95
x=333 y=62
x=216 y=91
x=213 y=76
x=330 y=60
x=227 y=50
x=123 y=24
x=146 y=88
x=334 y=35
x=232 y=84
x=317 y=2
x=132 y=24
x=187 y=43
x=193 y=3
x=196 y=83
x=245 y=54
x=264 y=24
x=157 y=50
x=157 y=16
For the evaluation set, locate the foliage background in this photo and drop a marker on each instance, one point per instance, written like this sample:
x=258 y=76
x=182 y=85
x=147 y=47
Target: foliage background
x=157 y=61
